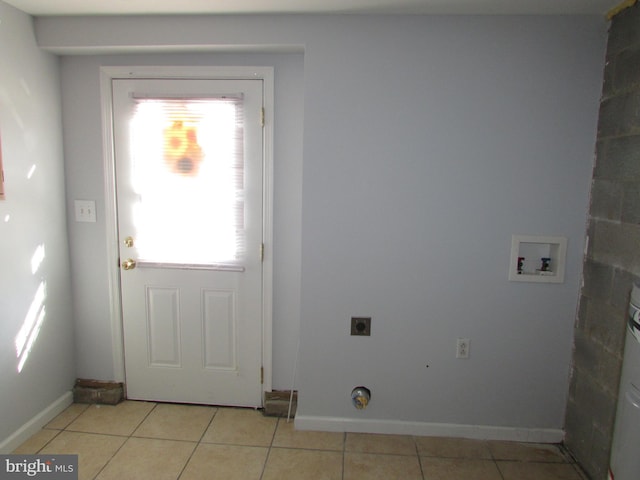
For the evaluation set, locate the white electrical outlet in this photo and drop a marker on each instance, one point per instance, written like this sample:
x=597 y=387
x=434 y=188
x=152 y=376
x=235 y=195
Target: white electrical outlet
x=462 y=348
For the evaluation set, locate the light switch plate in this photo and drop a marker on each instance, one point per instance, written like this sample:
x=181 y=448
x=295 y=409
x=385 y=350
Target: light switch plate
x=85 y=210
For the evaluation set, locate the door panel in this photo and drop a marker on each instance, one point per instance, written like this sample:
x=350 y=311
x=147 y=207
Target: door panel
x=189 y=206
x=219 y=329
x=163 y=327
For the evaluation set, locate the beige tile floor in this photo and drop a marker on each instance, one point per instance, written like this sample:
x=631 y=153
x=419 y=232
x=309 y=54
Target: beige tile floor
x=144 y=440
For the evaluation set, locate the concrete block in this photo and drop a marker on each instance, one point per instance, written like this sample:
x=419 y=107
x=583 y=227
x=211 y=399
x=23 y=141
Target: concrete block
x=590 y=236
x=573 y=380
x=618 y=159
x=617 y=244
x=627 y=69
x=608 y=89
x=581 y=315
x=592 y=359
x=630 y=209
x=578 y=428
x=619 y=115
x=601 y=146
x=606 y=199
x=597 y=280
x=600 y=454
x=624 y=31
x=621 y=288
x=606 y=325
x=585 y=355
x=596 y=404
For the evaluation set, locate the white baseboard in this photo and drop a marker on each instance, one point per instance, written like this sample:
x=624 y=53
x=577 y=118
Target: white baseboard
x=398 y=427
x=21 y=435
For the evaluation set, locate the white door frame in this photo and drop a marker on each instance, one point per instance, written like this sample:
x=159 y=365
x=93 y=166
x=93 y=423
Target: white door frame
x=107 y=74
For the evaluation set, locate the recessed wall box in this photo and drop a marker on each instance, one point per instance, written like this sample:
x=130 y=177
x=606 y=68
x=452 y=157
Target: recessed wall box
x=361 y=326
x=537 y=259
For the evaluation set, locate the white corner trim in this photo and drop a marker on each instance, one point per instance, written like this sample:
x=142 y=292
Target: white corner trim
x=425 y=429
x=27 y=430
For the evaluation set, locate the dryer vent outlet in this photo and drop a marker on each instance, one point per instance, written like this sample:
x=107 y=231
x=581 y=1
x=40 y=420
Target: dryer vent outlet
x=361 y=326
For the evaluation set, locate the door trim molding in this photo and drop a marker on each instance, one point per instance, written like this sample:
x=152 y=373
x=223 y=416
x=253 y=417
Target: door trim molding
x=109 y=73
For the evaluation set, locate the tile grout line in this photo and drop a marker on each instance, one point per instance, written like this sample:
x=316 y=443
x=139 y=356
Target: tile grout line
x=66 y=429
x=127 y=437
x=59 y=430
x=344 y=454
x=198 y=442
x=50 y=440
x=266 y=460
x=415 y=444
x=495 y=462
x=123 y=443
x=493 y=459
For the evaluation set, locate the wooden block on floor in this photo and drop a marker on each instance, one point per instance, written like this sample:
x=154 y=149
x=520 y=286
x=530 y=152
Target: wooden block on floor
x=276 y=404
x=95 y=391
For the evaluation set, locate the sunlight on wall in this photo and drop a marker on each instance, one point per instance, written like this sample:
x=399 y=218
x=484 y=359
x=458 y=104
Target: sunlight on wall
x=32 y=323
x=37 y=258
x=31 y=326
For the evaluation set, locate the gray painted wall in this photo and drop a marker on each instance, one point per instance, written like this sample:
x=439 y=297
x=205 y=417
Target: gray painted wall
x=428 y=142
x=32 y=215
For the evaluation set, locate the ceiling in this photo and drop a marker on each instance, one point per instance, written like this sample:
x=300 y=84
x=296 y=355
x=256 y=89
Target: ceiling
x=166 y=7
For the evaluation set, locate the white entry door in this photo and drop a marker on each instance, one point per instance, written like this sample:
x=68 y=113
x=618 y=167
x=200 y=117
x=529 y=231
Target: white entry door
x=189 y=191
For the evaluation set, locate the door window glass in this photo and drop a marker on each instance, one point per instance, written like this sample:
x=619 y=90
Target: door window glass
x=188 y=175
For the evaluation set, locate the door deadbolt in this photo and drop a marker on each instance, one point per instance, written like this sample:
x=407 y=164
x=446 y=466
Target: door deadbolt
x=128 y=242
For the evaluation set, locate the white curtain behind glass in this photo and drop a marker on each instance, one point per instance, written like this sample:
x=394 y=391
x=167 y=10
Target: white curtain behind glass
x=188 y=173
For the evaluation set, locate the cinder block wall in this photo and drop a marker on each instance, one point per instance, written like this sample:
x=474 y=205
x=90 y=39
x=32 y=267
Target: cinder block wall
x=612 y=262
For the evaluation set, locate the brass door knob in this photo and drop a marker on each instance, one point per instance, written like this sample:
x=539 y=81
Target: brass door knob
x=129 y=264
